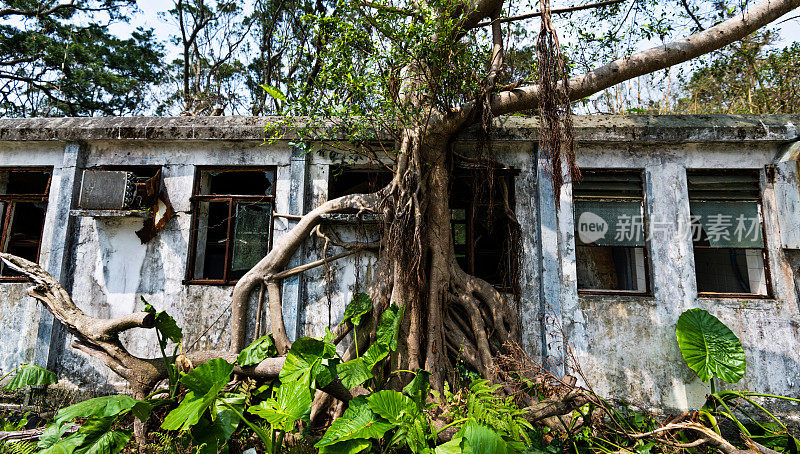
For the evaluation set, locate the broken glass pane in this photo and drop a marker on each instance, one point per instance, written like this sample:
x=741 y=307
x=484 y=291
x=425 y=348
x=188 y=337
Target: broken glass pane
x=251 y=236
x=735 y=224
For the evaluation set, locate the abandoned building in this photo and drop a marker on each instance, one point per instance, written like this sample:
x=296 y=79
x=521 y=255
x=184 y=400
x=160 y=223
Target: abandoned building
x=672 y=212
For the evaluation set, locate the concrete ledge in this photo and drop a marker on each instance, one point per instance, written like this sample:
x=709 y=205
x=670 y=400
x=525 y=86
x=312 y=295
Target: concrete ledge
x=588 y=129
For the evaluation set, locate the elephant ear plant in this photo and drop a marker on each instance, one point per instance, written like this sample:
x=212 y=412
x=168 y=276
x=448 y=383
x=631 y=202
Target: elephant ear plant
x=710 y=348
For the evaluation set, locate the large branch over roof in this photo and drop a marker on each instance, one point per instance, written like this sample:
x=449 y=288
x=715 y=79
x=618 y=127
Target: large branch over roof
x=647 y=61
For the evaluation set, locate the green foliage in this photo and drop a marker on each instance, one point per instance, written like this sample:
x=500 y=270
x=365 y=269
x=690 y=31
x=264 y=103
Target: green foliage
x=357 y=422
x=204 y=384
x=30 y=375
x=360 y=305
x=482 y=405
x=312 y=357
x=99 y=407
x=167 y=330
x=20 y=447
x=751 y=76
x=68 y=63
x=709 y=347
x=291 y=403
x=261 y=349
x=389 y=326
x=97 y=433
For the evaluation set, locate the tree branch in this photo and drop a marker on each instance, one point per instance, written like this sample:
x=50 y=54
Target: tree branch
x=279 y=257
x=504 y=20
x=646 y=61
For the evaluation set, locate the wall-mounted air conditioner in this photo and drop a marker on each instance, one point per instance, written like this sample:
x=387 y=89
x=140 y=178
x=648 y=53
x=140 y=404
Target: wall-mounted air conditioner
x=107 y=190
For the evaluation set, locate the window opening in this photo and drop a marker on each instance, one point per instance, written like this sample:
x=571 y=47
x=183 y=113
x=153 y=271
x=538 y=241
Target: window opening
x=610 y=251
x=232 y=224
x=727 y=233
x=481 y=228
x=345 y=180
x=23 y=206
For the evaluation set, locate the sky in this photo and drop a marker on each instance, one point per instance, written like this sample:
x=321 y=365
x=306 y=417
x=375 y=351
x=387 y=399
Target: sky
x=148 y=17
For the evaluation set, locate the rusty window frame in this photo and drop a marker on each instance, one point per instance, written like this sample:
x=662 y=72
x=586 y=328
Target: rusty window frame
x=9 y=200
x=648 y=290
x=764 y=249
x=232 y=201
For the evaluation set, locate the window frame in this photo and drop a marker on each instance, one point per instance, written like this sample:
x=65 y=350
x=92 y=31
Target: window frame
x=648 y=291
x=10 y=199
x=232 y=201
x=470 y=207
x=764 y=249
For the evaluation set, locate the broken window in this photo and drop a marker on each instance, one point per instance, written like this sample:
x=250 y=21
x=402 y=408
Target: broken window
x=481 y=225
x=727 y=233
x=346 y=180
x=23 y=205
x=610 y=248
x=232 y=223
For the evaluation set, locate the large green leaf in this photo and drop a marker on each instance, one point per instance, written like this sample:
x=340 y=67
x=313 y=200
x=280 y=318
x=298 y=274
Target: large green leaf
x=93 y=437
x=225 y=419
x=418 y=388
x=110 y=442
x=375 y=353
x=211 y=436
x=358 y=306
x=709 y=347
x=213 y=374
x=310 y=356
x=205 y=384
x=413 y=429
x=358 y=421
x=261 y=349
x=291 y=402
x=451 y=447
x=479 y=439
x=190 y=410
x=165 y=324
x=353 y=373
x=31 y=375
x=392 y=406
x=274 y=92
x=100 y=407
x=346 y=447
x=389 y=326
x=65 y=446
x=52 y=434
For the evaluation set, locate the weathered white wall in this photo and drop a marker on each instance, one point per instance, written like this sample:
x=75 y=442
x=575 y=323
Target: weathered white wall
x=626 y=345
x=19 y=313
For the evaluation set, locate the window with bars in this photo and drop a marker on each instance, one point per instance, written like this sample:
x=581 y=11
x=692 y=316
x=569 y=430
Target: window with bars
x=231 y=224
x=727 y=233
x=23 y=205
x=610 y=226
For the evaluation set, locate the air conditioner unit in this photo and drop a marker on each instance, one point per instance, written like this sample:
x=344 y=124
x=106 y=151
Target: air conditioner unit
x=107 y=190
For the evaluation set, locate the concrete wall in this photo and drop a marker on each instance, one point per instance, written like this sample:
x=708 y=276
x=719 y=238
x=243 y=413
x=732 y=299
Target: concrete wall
x=625 y=346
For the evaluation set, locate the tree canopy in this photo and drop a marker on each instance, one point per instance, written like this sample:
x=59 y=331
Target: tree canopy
x=60 y=59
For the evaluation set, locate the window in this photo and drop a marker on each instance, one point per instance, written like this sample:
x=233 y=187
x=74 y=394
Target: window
x=232 y=222
x=483 y=233
x=610 y=250
x=345 y=180
x=727 y=233
x=23 y=204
